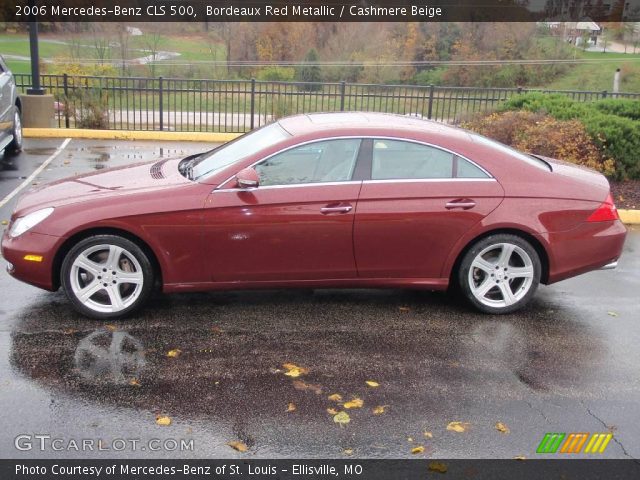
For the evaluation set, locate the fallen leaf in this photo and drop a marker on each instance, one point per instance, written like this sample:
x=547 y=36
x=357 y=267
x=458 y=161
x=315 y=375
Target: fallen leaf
x=348 y=451
x=502 y=428
x=437 y=467
x=341 y=418
x=216 y=330
x=134 y=382
x=372 y=384
x=293 y=370
x=613 y=314
x=409 y=439
x=428 y=435
x=457 y=426
x=174 y=353
x=4 y=222
x=66 y=162
x=519 y=457
x=163 y=420
x=111 y=328
x=355 y=402
x=291 y=407
x=336 y=397
x=300 y=385
x=332 y=411
x=379 y=410
x=70 y=331
x=416 y=450
x=239 y=446
x=405 y=309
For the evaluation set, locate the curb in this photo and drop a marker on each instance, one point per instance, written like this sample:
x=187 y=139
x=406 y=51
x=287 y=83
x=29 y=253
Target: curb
x=630 y=217
x=129 y=135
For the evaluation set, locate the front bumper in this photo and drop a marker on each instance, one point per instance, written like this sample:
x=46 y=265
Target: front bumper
x=37 y=273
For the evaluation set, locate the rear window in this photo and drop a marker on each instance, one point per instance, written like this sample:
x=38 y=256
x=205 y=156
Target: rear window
x=536 y=162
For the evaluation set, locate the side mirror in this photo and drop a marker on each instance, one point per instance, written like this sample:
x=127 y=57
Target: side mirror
x=247 y=178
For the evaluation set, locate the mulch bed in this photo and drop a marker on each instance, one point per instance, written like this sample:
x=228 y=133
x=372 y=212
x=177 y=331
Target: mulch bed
x=626 y=194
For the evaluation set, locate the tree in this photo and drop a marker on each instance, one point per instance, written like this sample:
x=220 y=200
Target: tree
x=310 y=72
x=153 y=41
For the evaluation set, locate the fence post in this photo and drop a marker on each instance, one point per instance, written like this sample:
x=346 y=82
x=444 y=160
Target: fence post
x=343 y=87
x=604 y=94
x=430 y=106
x=160 y=88
x=65 y=86
x=253 y=102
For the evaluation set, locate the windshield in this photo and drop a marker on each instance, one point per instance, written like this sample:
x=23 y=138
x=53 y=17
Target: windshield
x=536 y=162
x=238 y=149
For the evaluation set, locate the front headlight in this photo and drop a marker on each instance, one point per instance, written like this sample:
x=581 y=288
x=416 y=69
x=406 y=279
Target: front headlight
x=29 y=221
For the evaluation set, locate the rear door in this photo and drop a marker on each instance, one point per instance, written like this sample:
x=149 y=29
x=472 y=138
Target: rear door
x=296 y=225
x=416 y=205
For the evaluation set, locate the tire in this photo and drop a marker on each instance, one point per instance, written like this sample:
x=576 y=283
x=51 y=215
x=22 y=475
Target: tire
x=15 y=146
x=107 y=276
x=499 y=274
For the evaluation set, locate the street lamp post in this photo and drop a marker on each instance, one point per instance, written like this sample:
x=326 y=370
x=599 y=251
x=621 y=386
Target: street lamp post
x=35 y=89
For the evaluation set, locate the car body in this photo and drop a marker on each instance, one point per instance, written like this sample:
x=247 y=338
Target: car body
x=320 y=200
x=10 y=112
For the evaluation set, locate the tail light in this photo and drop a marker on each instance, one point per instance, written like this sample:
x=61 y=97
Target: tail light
x=605 y=212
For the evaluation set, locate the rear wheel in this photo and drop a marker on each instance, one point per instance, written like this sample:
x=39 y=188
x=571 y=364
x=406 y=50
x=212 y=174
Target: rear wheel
x=500 y=273
x=107 y=276
x=16 y=144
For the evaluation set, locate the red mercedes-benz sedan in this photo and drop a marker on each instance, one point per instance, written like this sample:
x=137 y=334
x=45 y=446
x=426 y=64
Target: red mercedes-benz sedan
x=321 y=200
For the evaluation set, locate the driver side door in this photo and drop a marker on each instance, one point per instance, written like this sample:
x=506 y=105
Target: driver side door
x=296 y=225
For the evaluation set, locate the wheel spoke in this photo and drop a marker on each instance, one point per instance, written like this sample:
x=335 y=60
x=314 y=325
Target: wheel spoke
x=130 y=277
x=521 y=272
x=87 y=264
x=507 y=294
x=87 y=292
x=115 y=252
x=482 y=289
x=115 y=297
x=483 y=265
x=505 y=254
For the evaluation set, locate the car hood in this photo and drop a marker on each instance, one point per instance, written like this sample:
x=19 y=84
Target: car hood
x=110 y=182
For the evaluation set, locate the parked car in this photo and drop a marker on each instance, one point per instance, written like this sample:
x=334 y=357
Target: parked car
x=321 y=200
x=10 y=112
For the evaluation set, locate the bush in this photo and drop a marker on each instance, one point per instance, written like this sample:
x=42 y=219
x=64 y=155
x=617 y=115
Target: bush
x=612 y=124
x=544 y=135
x=277 y=74
x=93 y=110
x=429 y=77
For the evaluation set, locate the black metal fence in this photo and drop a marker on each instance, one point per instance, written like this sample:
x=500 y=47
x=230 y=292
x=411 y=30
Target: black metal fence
x=139 y=103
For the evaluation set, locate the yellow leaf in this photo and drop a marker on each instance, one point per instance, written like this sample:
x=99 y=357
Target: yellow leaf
x=457 y=426
x=502 y=428
x=163 y=420
x=438 y=467
x=348 y=451
x=612 y=314
x=409 y=439
x=293 y=370
x=372 y=384
x=428 y=435
x=405 y=309
x=416 y=450
x=519 y=457
x=239 y=446
x=336 y=397
x=355 y=402
x=342 y=418
x=332 y=411
x=174 y=353
x=111 y=328
x=291 y=407
x=4 y=222
x=379 y=410
x=134 y=382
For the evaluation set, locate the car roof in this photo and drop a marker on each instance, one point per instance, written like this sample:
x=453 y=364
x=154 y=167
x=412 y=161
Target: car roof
x=362 y=121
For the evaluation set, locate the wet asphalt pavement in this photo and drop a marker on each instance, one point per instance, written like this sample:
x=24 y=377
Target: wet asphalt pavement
x=569 y=363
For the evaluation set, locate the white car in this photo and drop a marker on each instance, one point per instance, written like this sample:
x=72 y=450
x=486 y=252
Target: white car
x=10 y=112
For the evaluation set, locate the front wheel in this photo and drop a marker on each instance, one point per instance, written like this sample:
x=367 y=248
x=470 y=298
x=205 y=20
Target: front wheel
x=16 y=144
x=500 y=273
x=107 y=276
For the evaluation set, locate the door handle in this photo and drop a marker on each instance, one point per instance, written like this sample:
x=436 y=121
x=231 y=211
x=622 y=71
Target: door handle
x=336 y=209
x=464 y=204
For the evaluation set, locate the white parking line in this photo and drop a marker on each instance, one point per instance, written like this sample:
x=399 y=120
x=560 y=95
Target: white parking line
x=35 y=173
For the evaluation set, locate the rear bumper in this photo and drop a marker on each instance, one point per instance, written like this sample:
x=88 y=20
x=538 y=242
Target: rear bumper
x=37 y=273
x=590 y=246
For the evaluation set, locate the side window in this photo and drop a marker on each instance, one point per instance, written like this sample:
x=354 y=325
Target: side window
x=394 y=159
x=466 y=169
x=325 y=161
